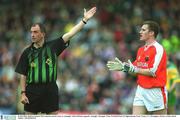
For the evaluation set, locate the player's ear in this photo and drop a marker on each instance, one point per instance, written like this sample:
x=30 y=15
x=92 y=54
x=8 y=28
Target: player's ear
x=151 y=33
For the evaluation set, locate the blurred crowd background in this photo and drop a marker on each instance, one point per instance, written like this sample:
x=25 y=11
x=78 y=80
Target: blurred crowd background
x=85 y=84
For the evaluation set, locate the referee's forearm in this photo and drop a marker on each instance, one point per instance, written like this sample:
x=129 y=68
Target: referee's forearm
x=23 y=83
x=73 y=31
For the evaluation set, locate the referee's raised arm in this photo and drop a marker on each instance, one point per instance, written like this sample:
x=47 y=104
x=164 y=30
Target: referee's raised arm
x=87 y=15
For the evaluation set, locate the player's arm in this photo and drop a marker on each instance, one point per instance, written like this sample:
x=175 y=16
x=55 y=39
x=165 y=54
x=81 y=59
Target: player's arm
x=87 y=15
x=24 y=99
x=129 y=67
x=118 y=65
x=145 y=72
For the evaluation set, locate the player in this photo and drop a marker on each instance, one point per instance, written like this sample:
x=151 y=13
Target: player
x=38 y=68
x=172 y=80
x=150 y=67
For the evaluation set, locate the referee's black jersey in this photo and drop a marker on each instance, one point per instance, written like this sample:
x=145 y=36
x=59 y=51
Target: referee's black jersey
x=39 y=65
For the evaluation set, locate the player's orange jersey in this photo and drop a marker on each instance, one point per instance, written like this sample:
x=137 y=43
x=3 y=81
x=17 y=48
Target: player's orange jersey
x=152 y=57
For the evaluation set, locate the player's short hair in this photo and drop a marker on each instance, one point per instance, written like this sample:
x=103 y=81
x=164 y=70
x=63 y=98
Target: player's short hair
x=41 y=26
x=153 y=26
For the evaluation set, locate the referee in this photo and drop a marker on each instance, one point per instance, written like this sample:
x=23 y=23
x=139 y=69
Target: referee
x=38 y=68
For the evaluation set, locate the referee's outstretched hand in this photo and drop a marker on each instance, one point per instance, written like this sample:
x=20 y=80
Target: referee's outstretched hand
x=88 y=14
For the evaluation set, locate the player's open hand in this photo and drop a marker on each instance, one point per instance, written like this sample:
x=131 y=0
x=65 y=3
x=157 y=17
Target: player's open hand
x=88 y=14
x=116 y=65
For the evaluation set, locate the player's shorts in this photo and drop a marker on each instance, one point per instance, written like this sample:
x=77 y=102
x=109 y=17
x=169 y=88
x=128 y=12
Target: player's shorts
x=153 y=99
x=42 y=98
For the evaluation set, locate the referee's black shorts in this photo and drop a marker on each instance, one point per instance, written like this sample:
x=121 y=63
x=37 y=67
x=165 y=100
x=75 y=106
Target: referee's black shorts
x=42 y=98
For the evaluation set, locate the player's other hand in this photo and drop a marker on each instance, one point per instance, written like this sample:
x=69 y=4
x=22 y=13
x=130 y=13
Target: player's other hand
x=88 y=14
x=116 y=65
x=129 y=67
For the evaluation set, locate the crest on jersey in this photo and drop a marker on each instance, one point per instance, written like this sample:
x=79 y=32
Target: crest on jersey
x=33 y=64
x=147 y=58
x=49 y=61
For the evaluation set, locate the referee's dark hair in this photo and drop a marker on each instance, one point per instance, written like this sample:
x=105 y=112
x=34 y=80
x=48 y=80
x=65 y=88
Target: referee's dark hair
x=41 y=26
x=153 y=26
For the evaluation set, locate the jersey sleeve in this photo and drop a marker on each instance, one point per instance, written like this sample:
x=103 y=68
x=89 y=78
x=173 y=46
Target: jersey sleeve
x=157 y=56
x=22 y=65
x=58 y=45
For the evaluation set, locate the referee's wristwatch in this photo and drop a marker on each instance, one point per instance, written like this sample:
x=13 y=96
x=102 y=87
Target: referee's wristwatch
x=84 y=21
x=23 y=92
